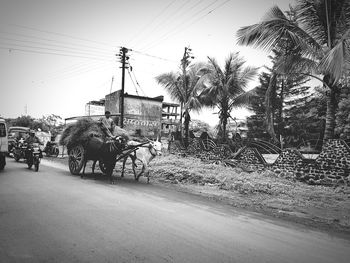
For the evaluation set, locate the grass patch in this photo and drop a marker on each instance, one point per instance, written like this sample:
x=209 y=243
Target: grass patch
x=264 y=191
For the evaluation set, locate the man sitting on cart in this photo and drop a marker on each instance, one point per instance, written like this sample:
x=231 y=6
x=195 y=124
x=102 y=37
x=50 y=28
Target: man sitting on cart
x=107 y=122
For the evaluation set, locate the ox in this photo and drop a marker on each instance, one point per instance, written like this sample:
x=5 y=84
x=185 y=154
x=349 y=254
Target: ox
x=145 y=154
x=105 y=152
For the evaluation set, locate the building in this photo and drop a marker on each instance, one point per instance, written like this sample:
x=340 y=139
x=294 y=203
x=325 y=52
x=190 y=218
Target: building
x=95 y=107
x=142 y=115
x=170 y=118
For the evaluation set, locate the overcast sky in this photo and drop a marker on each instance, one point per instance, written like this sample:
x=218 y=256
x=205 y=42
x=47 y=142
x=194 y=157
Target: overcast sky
x=56 y=56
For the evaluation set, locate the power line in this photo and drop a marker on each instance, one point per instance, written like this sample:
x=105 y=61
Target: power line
x=10 y=45
x=169 y=33
x=64 y=35
x=54 y=45
x=77 y=71
x=52 y=40
x=133 y=83
x=178 y=27
x=132 y=70
x=139 y=33
x=10 y=49
x=153 y=56
x=161 y=23
x=168 y=22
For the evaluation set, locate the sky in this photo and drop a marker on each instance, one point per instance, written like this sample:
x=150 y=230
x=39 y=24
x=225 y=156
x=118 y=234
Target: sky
x=57 y=55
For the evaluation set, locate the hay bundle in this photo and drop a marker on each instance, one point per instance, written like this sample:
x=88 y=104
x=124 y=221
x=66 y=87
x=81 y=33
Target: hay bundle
x=81 y=131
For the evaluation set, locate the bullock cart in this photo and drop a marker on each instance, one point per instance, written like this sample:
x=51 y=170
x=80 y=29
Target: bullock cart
x=88 y=140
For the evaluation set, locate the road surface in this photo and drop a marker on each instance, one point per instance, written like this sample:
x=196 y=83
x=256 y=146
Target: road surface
x=52 y=216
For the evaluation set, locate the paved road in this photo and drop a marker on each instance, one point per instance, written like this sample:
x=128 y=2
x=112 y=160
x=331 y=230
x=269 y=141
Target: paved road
x=51 y=216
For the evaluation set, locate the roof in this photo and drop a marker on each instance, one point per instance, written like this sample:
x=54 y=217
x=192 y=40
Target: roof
x=19 y=128
x=159 y=98
x=165 y=104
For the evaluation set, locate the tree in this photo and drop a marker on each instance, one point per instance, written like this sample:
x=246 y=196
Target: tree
x=256 y=123
x=49 y=123
x=320 y=34
x=188 y=95
x=224 y=88
x=343 y=114
x=24 y=121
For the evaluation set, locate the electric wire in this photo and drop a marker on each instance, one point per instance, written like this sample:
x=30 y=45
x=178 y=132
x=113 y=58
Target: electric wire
x=161 y=23
x=53 y=49
x=61 y=34
x=11 y=49
x=142 y=30
x=55 y=45
x=138 y=84
x=176 y=18
x=153 y=56
x=179 y=27
x=52 y=40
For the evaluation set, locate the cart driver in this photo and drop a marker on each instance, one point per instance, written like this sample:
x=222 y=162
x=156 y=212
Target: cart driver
x=108 y=122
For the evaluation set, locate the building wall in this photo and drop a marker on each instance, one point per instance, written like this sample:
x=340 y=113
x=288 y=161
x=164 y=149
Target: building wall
x=91 y=109
x=112 y=102
x=142 y=116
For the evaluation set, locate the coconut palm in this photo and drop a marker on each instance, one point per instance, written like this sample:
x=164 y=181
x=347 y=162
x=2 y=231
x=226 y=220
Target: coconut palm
x=320 y=33
x=187 y=95
x=224 y=88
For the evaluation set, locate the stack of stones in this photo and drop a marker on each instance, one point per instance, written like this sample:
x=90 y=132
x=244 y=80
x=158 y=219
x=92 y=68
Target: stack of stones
x=332 y=166
x=250 y=158
x=290 y=161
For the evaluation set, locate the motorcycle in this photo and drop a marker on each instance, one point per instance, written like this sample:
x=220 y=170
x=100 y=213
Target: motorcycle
x=51 y=149
x=33 y=155
x=19 y=151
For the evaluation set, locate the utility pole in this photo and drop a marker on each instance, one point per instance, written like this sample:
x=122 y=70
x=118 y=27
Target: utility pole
x=124 y=59
x=184 y=63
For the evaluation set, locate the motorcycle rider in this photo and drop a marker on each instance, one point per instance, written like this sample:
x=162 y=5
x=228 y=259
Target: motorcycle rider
x=30 y=140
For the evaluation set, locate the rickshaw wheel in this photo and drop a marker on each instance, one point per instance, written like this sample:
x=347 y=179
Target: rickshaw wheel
x=76 y=159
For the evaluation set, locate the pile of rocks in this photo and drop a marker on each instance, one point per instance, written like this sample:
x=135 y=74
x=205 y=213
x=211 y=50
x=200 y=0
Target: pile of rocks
x=331 y=167
x=250 y=158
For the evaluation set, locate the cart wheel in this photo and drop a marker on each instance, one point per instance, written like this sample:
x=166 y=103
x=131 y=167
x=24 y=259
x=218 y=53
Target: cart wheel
x=76 y=159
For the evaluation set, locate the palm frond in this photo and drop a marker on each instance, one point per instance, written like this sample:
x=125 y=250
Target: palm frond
x=334 y=62
x=274 y=27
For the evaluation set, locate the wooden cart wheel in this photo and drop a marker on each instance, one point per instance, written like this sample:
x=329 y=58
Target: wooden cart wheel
x=76 y=159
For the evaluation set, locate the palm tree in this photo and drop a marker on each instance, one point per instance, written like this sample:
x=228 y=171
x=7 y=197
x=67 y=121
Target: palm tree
x=187 y=95
x=224 y=88
x=320 y=34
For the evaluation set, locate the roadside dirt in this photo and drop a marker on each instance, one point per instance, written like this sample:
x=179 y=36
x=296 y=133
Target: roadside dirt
x=319 y=207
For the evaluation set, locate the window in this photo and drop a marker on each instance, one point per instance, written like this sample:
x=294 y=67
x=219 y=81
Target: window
x=2 y=130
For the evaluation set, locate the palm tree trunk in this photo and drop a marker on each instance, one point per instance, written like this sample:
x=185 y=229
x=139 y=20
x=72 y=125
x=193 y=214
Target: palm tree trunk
x=224 y=125
x=331 y=109
x=269 y=99
x=187 y=126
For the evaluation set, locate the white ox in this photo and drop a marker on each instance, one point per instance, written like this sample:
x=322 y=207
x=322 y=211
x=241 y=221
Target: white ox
x=145 y=154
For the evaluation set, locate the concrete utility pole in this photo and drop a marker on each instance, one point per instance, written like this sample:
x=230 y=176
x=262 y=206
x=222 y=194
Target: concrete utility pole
x=124 y=59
